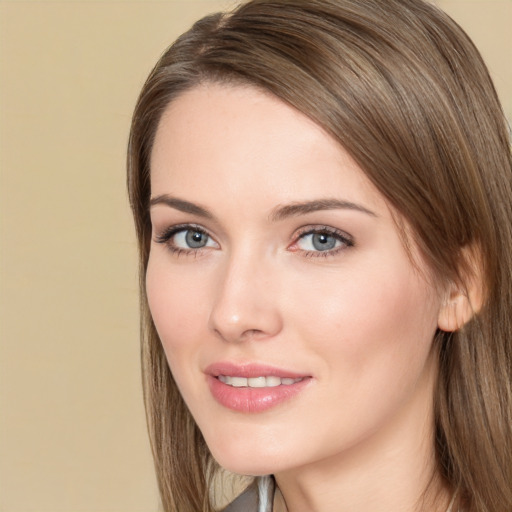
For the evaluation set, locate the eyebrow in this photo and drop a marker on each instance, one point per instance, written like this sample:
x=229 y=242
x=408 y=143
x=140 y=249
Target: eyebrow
x=181 y=205
x=302 y=208
x=278 y=214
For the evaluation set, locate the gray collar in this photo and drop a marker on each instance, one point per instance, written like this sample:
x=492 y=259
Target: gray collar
x=258 y=497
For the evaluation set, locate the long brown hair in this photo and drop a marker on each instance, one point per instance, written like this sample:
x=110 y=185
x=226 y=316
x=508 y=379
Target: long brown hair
x=405 y=91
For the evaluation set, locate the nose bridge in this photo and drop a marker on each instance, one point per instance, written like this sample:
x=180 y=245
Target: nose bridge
x=245 y=304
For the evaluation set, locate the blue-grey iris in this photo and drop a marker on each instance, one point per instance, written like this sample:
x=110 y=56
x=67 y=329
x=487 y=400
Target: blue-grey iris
x=196 y=239
x=323 y=242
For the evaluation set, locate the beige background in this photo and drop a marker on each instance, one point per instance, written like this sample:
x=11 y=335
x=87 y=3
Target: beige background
x=72 y=432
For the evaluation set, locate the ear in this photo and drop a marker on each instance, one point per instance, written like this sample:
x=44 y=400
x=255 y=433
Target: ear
x=463 y=300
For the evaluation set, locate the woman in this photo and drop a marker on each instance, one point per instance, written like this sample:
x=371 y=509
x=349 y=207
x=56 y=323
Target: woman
x=321 y=190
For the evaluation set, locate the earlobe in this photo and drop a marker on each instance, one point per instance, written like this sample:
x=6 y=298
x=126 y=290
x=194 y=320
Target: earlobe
x=462 y=303
x=455 y=312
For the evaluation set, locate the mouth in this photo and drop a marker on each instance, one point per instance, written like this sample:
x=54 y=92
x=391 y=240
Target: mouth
x=253 y=388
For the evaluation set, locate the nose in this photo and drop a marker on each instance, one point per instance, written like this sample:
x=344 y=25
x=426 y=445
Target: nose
x=246 y=304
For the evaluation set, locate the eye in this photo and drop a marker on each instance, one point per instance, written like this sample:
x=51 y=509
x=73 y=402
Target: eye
x=186 y=239
x=326 y=240
x=191 y=239
x=318 y=242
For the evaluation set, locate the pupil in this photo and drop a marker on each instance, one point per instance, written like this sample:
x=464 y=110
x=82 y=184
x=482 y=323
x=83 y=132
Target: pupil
x=323 y=242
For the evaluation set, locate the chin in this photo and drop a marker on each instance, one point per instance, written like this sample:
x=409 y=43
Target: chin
x=248 y=459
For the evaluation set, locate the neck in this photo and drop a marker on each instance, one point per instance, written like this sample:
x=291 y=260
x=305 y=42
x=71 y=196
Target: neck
x=391 y=470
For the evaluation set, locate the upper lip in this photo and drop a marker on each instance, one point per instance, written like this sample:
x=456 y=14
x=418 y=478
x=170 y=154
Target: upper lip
x=249 y=370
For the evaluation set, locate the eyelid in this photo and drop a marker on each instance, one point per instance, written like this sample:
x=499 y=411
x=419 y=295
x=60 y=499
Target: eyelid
x=345 y=238
x=164 y=237
x=165 y=234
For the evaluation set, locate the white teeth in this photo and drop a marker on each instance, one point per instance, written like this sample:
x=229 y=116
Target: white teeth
x=272 y=382
x=257 y=382
x=238 y=382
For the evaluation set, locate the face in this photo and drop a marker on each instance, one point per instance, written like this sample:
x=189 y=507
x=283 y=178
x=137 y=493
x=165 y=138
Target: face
x=294 y=322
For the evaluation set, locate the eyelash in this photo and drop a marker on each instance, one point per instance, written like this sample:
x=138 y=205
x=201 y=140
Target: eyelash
x=346 y=240
x=166 y=238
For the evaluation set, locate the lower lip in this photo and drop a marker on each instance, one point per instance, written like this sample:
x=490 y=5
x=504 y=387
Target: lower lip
x=253 y=400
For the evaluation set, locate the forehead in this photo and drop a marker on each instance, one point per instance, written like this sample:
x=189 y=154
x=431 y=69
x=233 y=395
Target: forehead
x=245 y=140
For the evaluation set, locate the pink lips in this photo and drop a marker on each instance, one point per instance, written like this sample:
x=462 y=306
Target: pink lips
x=252 y=399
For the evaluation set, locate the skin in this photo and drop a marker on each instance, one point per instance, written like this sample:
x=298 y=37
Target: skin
x=358 y=319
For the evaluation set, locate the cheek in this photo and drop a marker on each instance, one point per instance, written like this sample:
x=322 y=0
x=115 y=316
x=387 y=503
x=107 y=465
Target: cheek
x=373 y=322
x=372 y=336
x=174 y=302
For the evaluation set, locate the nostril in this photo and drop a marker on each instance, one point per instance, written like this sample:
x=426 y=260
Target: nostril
x=240 y=335
x=253 y=333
